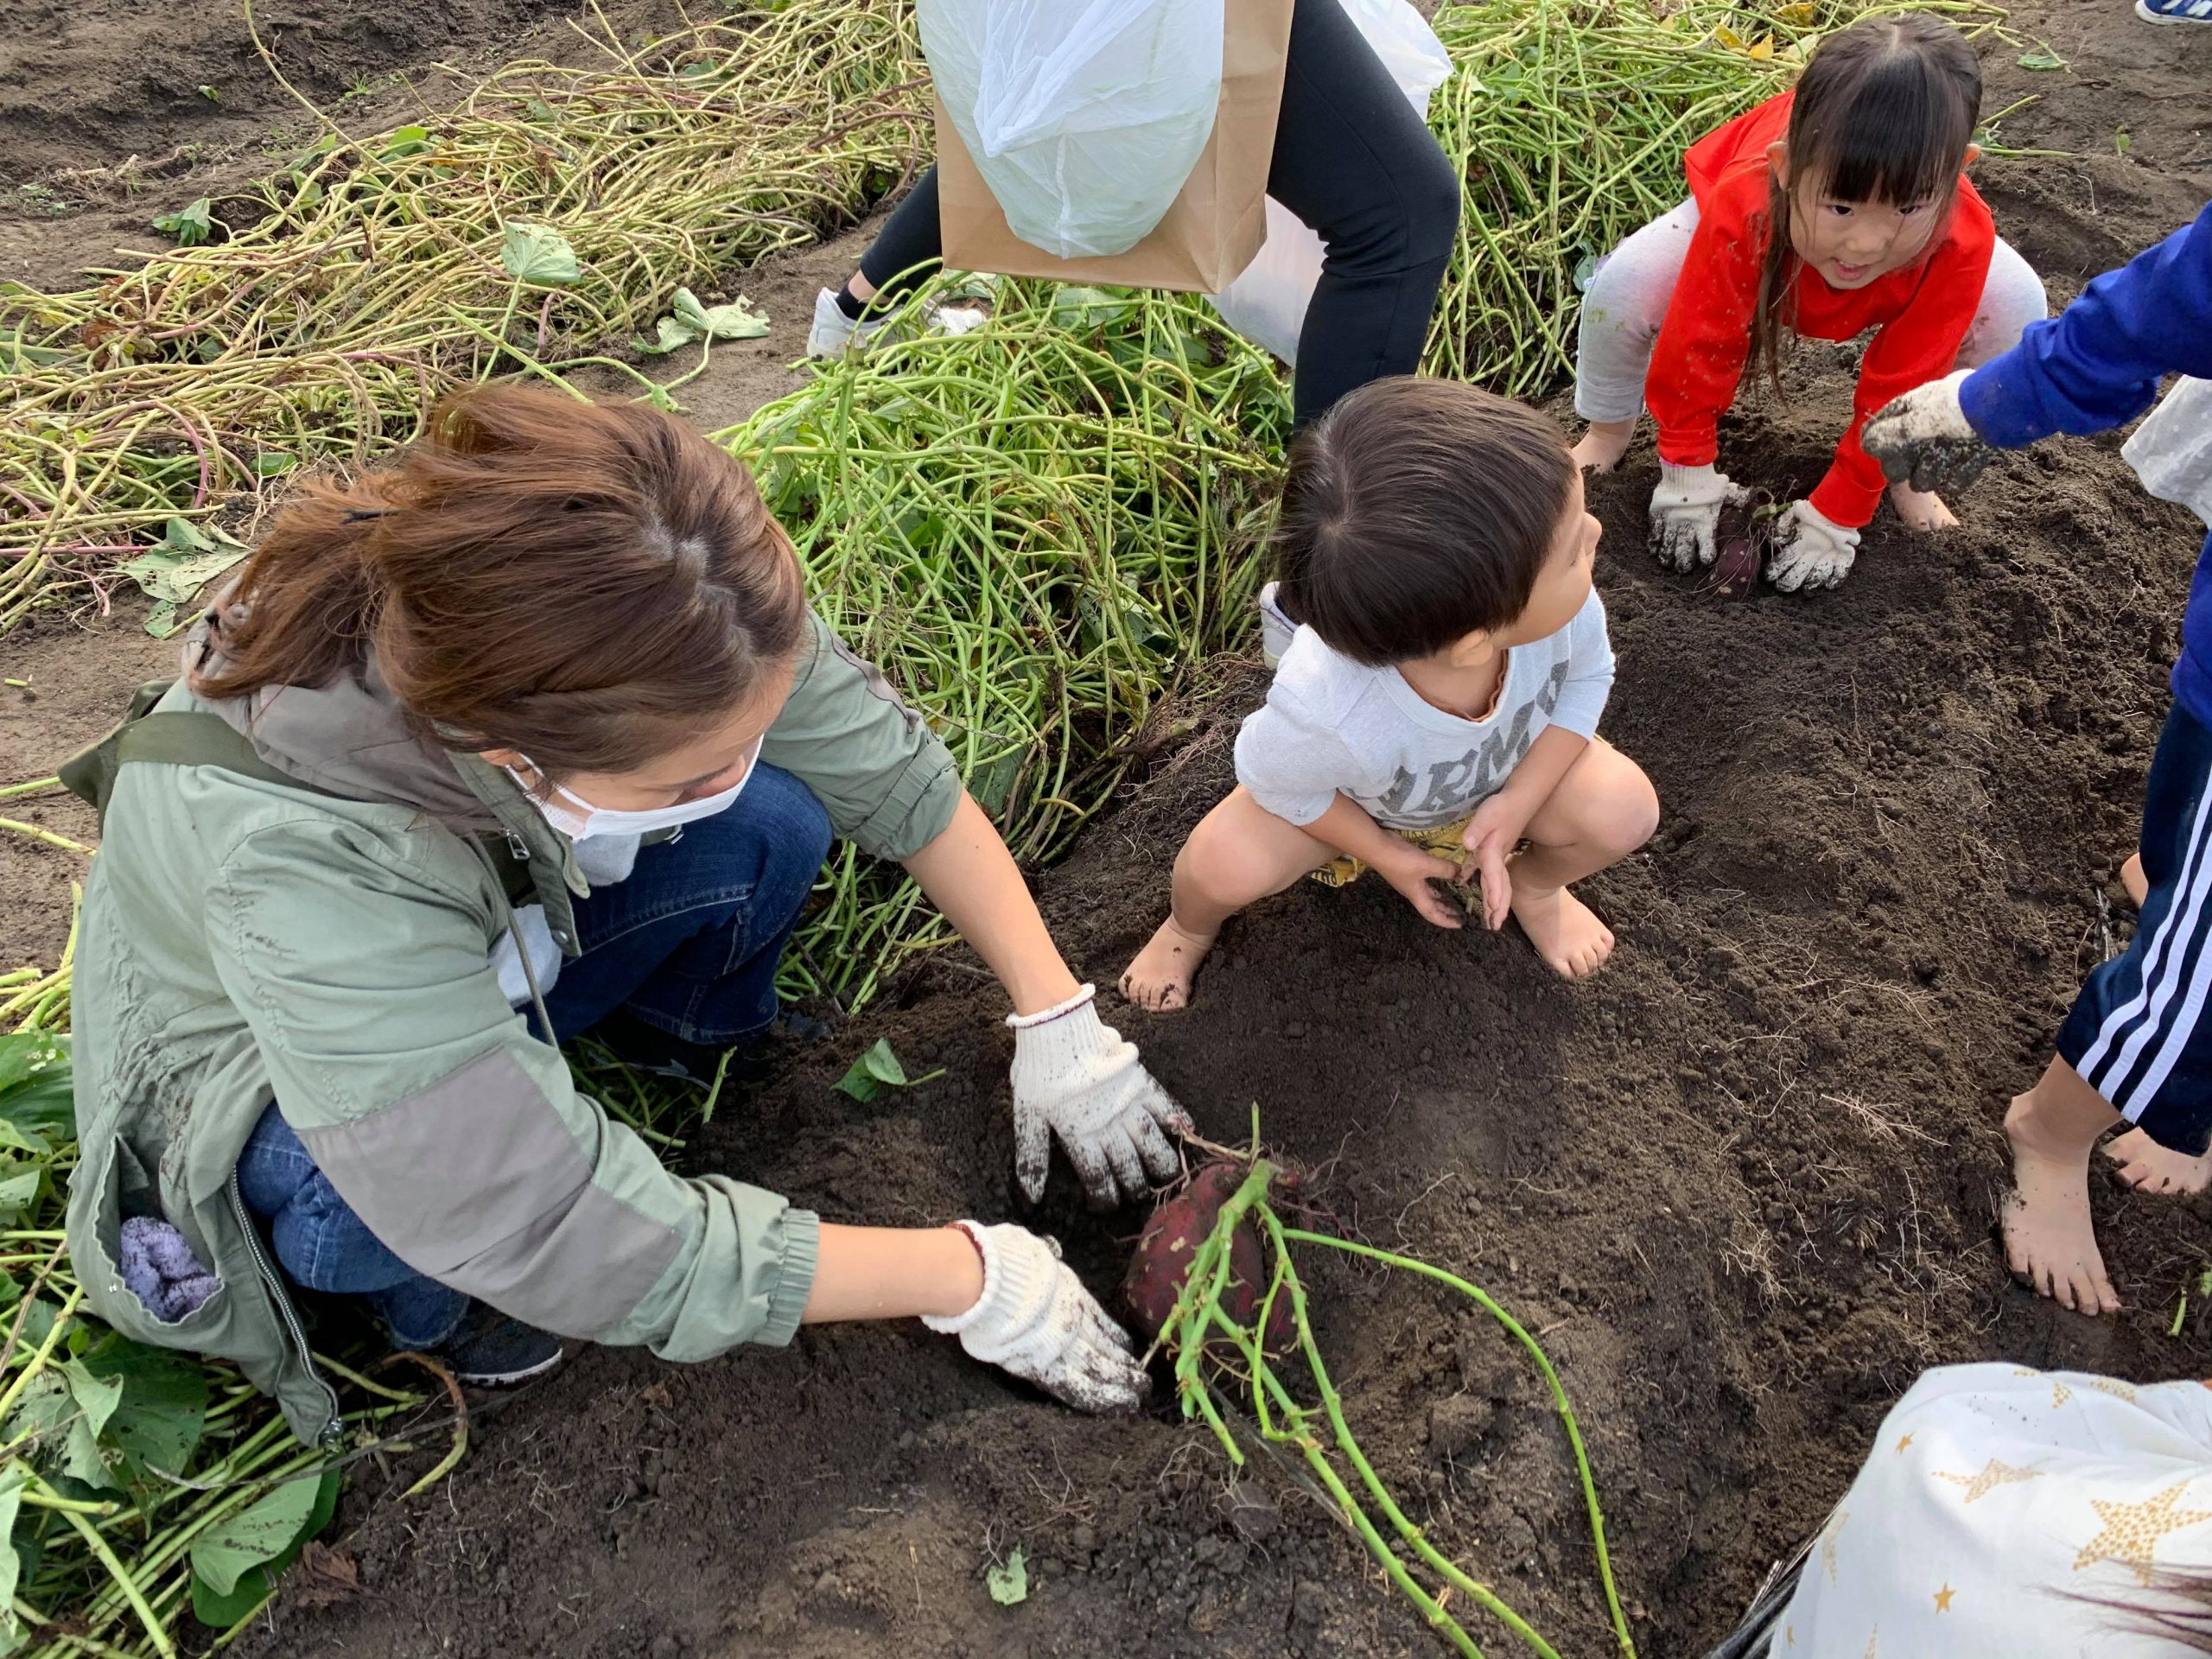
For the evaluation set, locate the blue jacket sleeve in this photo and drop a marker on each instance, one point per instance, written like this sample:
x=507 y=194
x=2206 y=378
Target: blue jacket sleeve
x=2098 y=363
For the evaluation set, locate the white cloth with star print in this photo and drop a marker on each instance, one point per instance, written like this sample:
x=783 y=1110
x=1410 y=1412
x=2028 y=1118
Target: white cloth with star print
x=2014 y=1512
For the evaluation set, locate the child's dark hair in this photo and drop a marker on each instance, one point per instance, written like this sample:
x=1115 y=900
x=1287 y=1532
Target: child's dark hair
x=1417 y=511
x=1883 y=112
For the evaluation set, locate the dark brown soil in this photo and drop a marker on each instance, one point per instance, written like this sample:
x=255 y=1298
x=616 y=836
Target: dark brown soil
x=1743 y=1184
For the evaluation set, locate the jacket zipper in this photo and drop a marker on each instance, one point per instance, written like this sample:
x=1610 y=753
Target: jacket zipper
x=334 y=1425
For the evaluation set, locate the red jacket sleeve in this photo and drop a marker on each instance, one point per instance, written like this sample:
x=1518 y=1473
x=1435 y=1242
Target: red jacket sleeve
x=1699 y=358
x=1920 y=344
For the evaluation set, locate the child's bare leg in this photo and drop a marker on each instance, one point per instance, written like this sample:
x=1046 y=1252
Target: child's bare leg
x=1601 y=447
x=1922 y=509
x=2133 y=881
x=1240 y=853
x=1604 y=809
x=2050 y=1243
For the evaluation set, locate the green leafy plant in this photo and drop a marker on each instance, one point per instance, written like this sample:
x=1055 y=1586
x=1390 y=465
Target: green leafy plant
x=190 y=225
x=691 y=321
x=879 y=1070
x=1008 y=1582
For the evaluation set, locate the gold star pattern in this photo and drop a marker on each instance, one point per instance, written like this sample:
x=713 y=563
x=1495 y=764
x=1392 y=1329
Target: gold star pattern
x=2027 y=1370
x=1827 y=1541
x=1993 y=1474
x=2118 y=1390
x=1943 y=1598
x=1872 y=1639
x=2132 y=1531
x=1905 y=1442
x=2060 y=1394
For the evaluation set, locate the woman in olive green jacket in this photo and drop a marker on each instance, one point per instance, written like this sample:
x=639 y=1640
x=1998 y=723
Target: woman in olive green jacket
x=531 y=733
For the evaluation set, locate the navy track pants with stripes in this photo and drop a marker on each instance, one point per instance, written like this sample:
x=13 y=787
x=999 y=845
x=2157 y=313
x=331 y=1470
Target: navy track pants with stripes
x=2139 y=1032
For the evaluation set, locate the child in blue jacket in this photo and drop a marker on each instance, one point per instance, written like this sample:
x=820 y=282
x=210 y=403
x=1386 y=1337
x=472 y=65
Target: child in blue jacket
x=2137 y=1048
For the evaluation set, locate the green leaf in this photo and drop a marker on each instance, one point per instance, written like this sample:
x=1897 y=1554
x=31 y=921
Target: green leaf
x=174 y=569
x=2122 y=140
x=874 y=1072
x=18 y=1192
x=164 y=1406
x=1009 y=1584
x=190 y=225
x=261 y=1532
x=2044 y=59
x=538 y=253
x=692 y=320
x=36 y=1094
x=270 y=462
x=12 y=1481
x=407 y=141
x=1079 y=310
x=735 y=321
x=221 y=1610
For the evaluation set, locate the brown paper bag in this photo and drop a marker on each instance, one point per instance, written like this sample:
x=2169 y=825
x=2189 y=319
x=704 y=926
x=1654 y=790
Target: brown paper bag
x=1211 y=231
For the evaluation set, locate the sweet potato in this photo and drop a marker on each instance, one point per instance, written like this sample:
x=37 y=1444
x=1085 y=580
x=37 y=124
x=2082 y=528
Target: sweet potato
x=1182 y=1222
x=1736 y=571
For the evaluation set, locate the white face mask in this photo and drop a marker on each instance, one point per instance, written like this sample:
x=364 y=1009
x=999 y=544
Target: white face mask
x=579 y=820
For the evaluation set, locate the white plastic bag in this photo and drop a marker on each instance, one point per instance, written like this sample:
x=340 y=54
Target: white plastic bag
x=2172 y=451
x=1266 y=303
x=1085 y=117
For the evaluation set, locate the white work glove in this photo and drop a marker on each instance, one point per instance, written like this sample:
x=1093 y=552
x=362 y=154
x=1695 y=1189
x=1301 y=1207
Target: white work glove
x=1809 y=551
x=1924 y=441
x=1035 y=1320
x=1075 y=1077
x=1686 y=512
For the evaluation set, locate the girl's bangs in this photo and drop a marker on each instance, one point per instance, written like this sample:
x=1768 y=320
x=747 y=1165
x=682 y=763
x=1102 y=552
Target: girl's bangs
x=1902 y=139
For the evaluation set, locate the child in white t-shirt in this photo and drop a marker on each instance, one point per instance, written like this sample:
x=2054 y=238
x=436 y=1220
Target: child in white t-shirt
x=1436 y=714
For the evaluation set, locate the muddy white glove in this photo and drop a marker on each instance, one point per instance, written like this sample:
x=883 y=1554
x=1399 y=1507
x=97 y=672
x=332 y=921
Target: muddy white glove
x=1035 y=1320
x=1809 y=551
x=1075 y=1077
x=1685 y=512
x=1923 y=439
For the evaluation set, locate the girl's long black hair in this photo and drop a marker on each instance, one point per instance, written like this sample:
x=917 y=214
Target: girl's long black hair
x=1885 y=112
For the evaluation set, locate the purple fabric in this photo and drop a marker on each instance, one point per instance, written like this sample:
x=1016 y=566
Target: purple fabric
x=161 y=1271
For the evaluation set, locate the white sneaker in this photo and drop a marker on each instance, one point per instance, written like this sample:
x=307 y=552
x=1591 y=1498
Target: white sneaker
x=834 y=332
x=1275 y=629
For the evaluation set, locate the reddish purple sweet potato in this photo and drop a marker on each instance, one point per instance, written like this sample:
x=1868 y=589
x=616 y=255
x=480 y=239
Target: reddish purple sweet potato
x=1181 y=1223
x=1736 y=570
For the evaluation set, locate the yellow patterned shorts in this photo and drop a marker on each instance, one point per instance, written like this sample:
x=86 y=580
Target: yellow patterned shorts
x=1443 y=840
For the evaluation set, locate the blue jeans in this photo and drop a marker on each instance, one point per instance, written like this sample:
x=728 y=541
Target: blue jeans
x=689 y=945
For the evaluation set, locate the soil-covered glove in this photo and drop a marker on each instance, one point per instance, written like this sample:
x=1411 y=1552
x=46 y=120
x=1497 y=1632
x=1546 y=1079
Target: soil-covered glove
x=1924 y=441
x=1075 y=1077
x=1035 y=1320
x=1809 y=551
x=1686 y=512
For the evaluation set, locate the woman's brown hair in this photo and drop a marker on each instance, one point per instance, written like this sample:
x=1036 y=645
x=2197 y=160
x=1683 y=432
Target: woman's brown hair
x=1417 y=511
x=1884 y=112
x=594 y=586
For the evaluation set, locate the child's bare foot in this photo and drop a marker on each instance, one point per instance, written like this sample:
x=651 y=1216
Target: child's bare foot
x=1921 y=509
x=2149 y=1167
x=1601 y=447
x=1566 y=932
x=2134 y=881
x=1160 y=978
x=2050 y=1243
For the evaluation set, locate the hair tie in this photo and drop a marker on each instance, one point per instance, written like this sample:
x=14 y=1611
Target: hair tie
x=359 y=513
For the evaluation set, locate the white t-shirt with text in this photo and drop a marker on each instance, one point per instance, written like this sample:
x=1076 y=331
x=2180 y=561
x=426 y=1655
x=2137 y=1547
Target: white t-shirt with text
x=1333 y=726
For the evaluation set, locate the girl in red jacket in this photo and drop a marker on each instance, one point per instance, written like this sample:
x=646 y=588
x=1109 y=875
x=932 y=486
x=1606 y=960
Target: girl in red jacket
x=1862 y=164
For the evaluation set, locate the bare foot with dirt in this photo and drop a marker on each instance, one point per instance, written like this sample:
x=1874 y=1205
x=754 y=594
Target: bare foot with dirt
x=1161 y=975
x=2149 y=1167
x=2050 y=1243
x=1601 y=447
x=1922 y=509
x=1566 y=932
x=2133 y=881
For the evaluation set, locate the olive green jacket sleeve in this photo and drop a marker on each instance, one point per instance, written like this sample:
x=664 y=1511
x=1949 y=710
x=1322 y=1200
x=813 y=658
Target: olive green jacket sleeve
x=887 y=782
x=357 y=950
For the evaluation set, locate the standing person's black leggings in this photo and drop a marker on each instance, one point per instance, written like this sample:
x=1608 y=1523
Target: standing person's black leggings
x=1354 y=163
